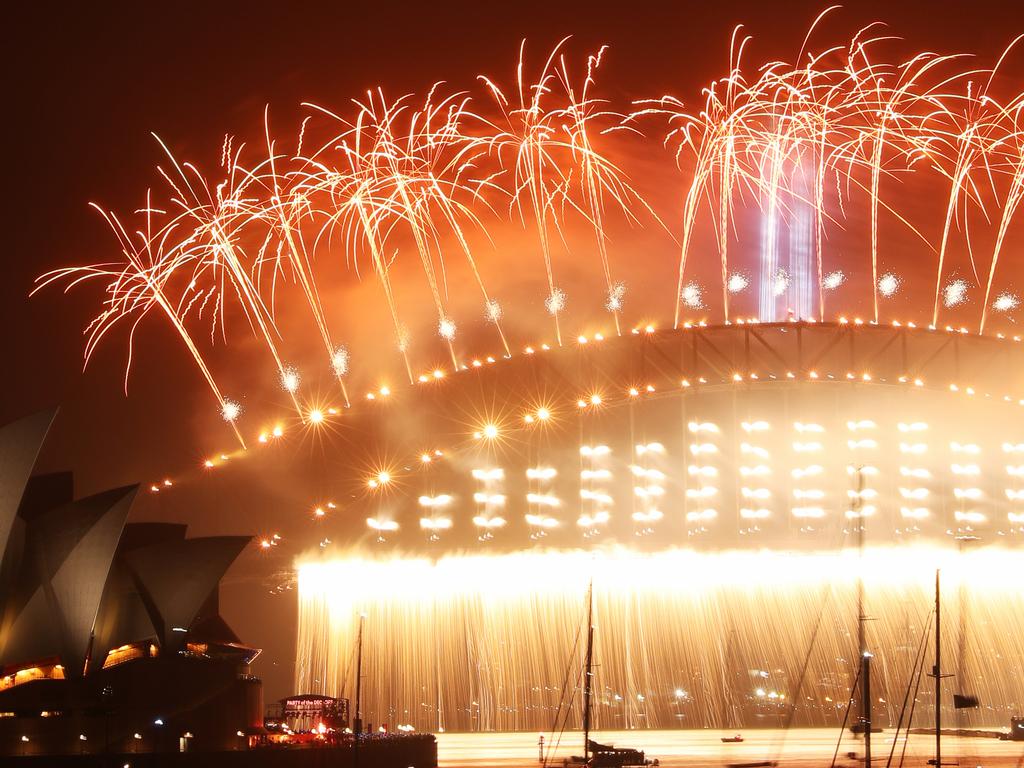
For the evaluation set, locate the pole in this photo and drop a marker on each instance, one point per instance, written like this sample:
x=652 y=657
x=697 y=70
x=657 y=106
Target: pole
x=865 y=705
x=858 y=505
x=937 y=672
x=862 y=649
x=587 y=675
x=357 y=721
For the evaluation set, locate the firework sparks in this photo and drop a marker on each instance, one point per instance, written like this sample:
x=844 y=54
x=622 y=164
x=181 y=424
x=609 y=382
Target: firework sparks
x=692 y=296
x=833 y=280
x=446 y=328
x=403 y=338
x=555 y=302
x=230 y=411
x=413 y=177
x=955 y=293
x=492 y=311
x=1006 y=302
x=616 y=296
x=738 y=282
x=290 y=379
x=780 y=283
x=340 y=361
x=888 y=285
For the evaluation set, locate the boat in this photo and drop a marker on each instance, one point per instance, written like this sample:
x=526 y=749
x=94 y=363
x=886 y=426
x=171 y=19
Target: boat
x=609 y=756
x=729 y=710
x=597 y=755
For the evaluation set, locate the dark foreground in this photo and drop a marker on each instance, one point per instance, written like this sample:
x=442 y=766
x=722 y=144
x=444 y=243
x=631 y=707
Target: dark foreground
x=404 y=752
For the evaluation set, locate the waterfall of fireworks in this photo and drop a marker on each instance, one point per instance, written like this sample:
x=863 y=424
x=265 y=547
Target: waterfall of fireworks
x=442 y=632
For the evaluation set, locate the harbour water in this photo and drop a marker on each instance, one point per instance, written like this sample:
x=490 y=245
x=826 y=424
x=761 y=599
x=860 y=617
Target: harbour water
x=697 y=748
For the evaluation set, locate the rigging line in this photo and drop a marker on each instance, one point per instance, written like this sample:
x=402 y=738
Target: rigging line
x=910 y=683
x=913 y=703
x=827 y=590
x=553 y=744
x=846 y=716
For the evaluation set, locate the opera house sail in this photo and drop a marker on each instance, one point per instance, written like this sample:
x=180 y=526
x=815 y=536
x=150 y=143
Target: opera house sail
x=110 y=638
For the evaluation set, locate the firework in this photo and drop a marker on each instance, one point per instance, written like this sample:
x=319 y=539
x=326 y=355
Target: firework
x=616 y=296
x=403 y=338
x=290 y=379
x=692 y=296
x=456 y=650
x=555 y=302
x=446 y=328
x=888 y=285
x=340 y=361
x=800 y=142
x=955 y=293
x=1006 y=302
x=230 y=411
x=492 y=311
x=833 y=280
x=738 y=282
x=780 y=283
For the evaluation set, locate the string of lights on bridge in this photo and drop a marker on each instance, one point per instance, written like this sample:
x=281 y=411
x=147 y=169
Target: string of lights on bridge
x=316 y=416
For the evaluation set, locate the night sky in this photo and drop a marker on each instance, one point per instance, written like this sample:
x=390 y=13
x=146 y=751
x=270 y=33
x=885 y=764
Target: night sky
x=88 y=82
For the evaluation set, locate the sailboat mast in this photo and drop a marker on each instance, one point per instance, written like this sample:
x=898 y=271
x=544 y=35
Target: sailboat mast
x=858 y=506
x=357 y=721
x=863 y=655
x=588 y=672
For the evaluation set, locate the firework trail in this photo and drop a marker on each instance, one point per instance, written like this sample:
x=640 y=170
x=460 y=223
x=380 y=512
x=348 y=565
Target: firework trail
x=286 y=212
x=798 y=141
x=528 y=143
x=1013 y=146
x=600 y=180
x=133 y=289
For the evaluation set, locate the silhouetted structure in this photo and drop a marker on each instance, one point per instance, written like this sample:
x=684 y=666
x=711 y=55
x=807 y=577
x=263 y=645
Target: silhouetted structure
x=110 y=636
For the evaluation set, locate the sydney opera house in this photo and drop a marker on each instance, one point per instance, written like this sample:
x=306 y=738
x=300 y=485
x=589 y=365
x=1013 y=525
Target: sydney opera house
x=110 y=638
